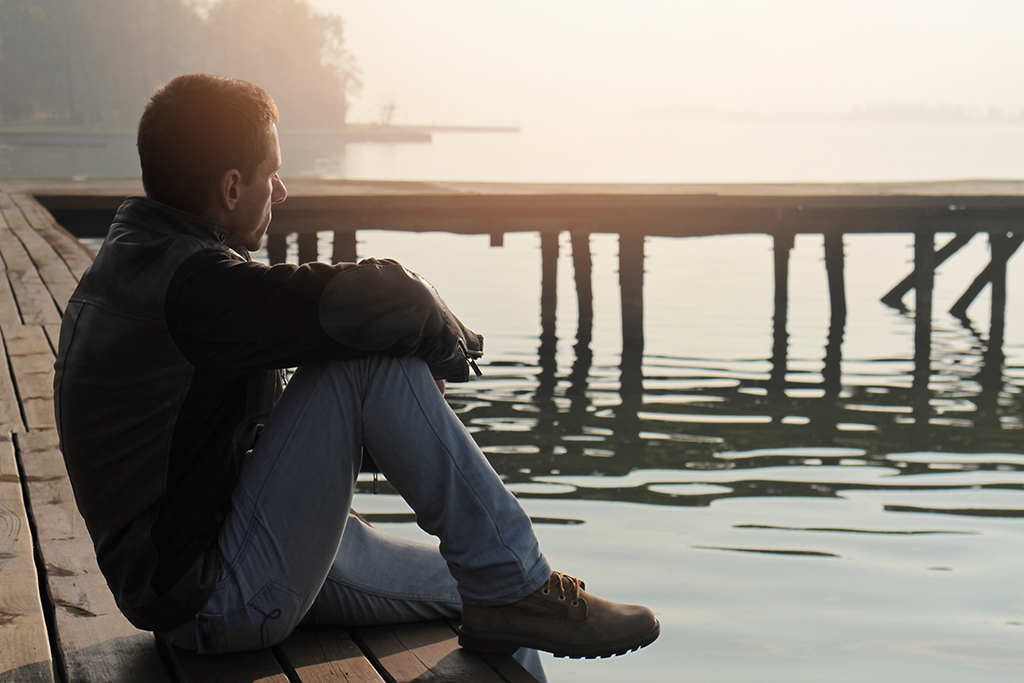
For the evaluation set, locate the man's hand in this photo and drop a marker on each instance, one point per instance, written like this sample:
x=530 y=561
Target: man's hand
x=440 y=385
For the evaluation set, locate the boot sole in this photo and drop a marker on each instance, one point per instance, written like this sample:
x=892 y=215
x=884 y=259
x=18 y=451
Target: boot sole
x=506 y=644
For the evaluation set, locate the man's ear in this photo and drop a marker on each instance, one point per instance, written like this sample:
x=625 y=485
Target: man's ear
x=229 y=189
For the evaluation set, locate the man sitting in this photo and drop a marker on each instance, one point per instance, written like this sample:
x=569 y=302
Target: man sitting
x=218 y=500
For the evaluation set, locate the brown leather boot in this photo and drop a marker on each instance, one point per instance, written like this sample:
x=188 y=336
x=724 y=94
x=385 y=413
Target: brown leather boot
x=562 y=619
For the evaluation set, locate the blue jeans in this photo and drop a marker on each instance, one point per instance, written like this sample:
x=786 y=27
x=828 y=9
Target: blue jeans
x=292 y=554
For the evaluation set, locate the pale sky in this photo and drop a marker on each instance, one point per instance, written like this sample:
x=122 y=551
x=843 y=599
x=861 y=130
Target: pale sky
x=525 y=61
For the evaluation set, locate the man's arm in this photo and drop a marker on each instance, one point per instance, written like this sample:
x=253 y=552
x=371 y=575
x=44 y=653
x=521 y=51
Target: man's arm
x=379 y=304
x=235 y=315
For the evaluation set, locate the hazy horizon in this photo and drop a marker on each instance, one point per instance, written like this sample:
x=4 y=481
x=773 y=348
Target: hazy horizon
x=529 y=62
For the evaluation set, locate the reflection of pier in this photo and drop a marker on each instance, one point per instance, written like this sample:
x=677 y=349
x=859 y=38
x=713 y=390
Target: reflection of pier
x=635 y=212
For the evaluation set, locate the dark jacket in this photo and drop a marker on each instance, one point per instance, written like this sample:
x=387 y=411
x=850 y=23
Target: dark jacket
x=170 y=358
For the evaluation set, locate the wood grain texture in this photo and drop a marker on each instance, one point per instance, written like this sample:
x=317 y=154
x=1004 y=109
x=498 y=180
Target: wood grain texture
x=8 y=306
x=31 y=360
x=76 y=255
x=327 y=654
x=96 y=641
x=24 y=647
x=10 y=407
x=33 y=299
x=423 y=652
x=52 y=269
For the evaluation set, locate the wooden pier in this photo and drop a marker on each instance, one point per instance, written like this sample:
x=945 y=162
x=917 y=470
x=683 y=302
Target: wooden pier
x=58 y=620
x=635 y=212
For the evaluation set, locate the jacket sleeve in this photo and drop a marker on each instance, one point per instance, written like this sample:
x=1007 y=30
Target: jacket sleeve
x=234 y=315
x=378 y=305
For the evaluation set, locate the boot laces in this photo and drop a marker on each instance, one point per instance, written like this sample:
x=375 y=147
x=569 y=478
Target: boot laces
x=565 y=584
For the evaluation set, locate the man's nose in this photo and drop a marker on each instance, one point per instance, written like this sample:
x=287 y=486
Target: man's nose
x=280 y=191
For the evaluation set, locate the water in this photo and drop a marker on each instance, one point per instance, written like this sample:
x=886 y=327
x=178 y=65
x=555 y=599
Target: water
x=867 y=530
x=685 y=152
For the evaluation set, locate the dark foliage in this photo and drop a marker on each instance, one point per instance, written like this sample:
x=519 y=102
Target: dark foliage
x=95 y=63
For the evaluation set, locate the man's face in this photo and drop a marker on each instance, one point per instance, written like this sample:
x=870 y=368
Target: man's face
x=251 y=217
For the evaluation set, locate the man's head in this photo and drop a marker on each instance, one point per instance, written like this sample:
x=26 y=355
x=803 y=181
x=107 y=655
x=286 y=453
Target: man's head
x=208 y=145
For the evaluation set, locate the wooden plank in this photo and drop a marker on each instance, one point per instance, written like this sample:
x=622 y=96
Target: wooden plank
x=425 y=652
x=8 y=306
x=246 y=667
x=52 y=269
x=505 y=666
x=76 y=255
x=10 y=407
x=34 y=301
x=32 y=364
x=97 y=643
x=326 y=654
x=669 y=209
x=25 y=651
x=14 y=255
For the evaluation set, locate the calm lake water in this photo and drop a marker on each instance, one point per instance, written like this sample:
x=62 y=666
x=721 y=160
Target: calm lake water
x=861 y=530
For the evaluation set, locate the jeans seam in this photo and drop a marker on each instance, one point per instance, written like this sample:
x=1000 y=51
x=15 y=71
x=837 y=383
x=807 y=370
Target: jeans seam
x=243 y=551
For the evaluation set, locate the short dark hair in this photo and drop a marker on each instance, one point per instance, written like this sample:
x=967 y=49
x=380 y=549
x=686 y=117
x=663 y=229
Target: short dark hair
x=194 y=129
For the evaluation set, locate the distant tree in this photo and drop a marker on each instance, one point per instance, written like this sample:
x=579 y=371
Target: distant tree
x=32 y=73
x=90 y=62
x=95 y=62
x=296 y=54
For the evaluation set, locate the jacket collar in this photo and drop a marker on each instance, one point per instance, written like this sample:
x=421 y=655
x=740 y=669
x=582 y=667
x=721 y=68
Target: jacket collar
x=149 y=213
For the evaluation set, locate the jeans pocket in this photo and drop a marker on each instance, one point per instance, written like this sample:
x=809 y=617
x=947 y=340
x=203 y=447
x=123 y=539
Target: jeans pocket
x=267 y=620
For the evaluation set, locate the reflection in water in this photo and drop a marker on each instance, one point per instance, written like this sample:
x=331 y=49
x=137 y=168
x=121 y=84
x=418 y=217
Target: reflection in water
x=568 y=415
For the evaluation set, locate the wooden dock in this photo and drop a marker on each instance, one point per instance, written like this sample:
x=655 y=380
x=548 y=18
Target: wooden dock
x=58 y=620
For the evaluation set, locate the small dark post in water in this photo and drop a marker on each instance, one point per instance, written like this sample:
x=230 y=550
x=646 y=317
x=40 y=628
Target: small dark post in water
x=990 y=377
x=575 y=418
x=834 y=268
x=1000 y=249
x=583 y=267
x=924 y=284
x=1001 y=246
x=344 y=247
x=277 y=247
x=783 y=244
x=832 y=372
x=894 y=298
x=631 y=285
x=631 y=375
x=548 y=303
x=307 y=247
